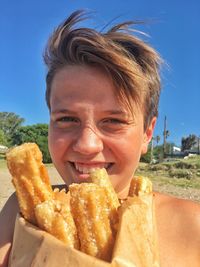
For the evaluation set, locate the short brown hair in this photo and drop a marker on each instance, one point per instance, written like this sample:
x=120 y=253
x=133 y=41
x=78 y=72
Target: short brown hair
x=132 y=64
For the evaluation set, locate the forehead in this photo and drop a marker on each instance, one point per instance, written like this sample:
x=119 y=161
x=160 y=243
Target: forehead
x=81 y=76
x=88 y=85
x=84 y=83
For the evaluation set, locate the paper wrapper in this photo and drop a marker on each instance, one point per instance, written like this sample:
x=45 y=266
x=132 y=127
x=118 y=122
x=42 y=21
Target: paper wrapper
x=135 y=246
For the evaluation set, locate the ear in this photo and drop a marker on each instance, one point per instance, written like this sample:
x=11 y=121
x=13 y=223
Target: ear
x=148 y=135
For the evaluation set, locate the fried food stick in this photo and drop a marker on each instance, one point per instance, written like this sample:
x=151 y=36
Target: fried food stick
x=100 y=177
x=54 y=216
x=39 y=204
x=90 y=210
x=140 y=186
x=29 y=177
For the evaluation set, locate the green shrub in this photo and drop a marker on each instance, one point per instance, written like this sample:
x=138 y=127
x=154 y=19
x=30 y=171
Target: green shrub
x=197 y=165
x=43 y=145
x=184 y=165
x=2 y=156
x=158 y=167
x=179 y=173
x=146 y=157
x=38 y=134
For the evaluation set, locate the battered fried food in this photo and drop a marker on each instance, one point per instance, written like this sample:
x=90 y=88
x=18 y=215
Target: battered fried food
x=54 y=216
x=50 y=210
x=87 y=217
x=140 y=186
x=39 y=204
x=101 y=178
x=30 y=178
x=91 y=210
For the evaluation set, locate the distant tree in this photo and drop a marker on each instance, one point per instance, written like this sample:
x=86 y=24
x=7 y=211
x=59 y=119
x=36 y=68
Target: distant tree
x=146 y=157
x=9 y=123
x=169 y=148
x=154 y=139
x=150 y=155
x=38 y=134
x=188 y=142
x=3 y=139
x=157 y=139
x=158 y=150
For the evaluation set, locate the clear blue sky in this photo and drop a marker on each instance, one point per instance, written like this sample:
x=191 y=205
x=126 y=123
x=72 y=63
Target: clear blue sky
x=174 y=32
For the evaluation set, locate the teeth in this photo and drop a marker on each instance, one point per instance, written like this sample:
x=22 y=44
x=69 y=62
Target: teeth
x=87 y=169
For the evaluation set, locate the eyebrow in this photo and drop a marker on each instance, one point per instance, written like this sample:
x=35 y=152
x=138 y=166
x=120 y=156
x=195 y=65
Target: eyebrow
x=110 y=112
x=116 y=112
x=64 y=111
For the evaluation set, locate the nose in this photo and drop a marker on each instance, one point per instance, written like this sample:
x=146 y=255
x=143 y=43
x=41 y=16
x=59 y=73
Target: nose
x=88 y=142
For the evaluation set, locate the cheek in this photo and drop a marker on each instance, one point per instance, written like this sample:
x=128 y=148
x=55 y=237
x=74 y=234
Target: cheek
x=51 y=141
x=131 y=157
x=131 y=147
x=57 y=144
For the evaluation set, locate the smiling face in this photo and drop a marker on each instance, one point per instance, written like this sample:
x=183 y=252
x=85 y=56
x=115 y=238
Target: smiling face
x=89 y=129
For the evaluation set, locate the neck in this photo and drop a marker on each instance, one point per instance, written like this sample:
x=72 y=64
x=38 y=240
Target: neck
x=124 y=192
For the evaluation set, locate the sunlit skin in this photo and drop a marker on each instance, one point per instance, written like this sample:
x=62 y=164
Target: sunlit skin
x=89 y=129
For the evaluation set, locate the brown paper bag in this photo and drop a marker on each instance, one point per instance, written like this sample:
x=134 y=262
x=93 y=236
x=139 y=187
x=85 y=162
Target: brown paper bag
x=135 y=244
x=36 y=248
x=137 y=235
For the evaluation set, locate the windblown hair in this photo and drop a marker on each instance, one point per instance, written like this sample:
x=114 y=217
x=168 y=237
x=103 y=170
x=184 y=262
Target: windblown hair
x=132 y=65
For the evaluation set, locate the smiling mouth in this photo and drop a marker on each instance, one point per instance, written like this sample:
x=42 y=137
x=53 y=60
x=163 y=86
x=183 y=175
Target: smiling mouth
x=88 y=168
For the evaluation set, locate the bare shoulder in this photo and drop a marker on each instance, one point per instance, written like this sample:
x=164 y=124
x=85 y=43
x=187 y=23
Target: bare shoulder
x=7 y=223
x=178 y=224
x=178 y=208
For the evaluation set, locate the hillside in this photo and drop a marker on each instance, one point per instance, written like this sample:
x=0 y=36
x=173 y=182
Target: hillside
x=177 y=177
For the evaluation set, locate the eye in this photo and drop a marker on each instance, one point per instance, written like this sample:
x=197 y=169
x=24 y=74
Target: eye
x=113 y=125
x=68 y=119
x=66 y=122
x=113 y=121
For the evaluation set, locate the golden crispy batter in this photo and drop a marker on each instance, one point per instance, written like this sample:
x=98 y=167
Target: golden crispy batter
x=93 y=206
x=38 y=203
x=100 y=177
x=54 y=216
x=90 y=210
x=140 y=186
x=30 y=178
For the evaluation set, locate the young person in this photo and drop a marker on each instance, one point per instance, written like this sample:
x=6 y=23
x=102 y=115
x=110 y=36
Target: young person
x=103 y=92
